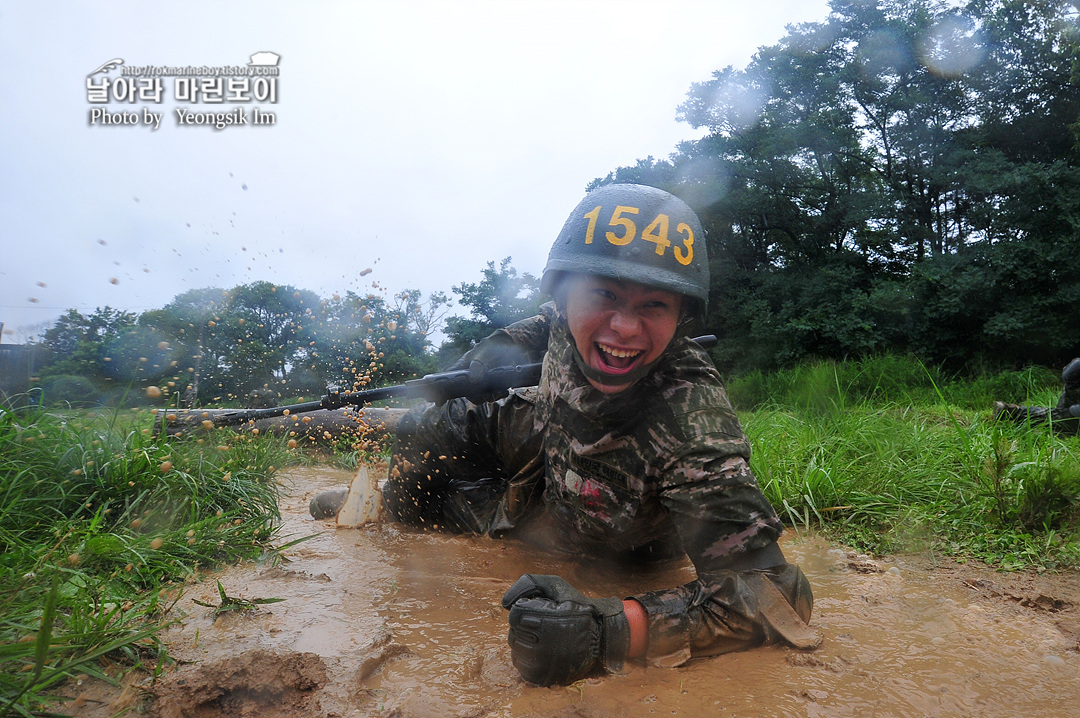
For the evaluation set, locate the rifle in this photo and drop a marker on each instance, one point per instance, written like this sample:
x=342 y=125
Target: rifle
x=477 y=383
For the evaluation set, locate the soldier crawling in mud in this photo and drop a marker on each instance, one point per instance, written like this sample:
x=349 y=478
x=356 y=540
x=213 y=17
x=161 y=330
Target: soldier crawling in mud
x=628 y=448
x=1064 y=416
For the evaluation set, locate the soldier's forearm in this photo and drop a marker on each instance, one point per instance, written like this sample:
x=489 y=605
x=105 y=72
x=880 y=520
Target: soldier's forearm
x=639 y=627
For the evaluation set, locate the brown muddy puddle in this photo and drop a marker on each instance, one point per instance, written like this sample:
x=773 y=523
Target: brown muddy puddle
x=384 y=621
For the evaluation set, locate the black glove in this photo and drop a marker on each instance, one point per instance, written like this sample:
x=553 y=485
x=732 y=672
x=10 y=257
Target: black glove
x=497 y=349
x=558 y=635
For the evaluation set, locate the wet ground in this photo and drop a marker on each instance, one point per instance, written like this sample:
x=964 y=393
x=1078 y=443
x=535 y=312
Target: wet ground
x=384 y=621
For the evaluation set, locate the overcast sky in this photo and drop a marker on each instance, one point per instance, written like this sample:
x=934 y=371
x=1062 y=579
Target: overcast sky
x=420 y=139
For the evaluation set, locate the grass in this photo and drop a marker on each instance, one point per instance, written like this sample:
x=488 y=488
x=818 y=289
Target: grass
x=235 y=604
x=889 y=379
x=917 y=465
x=100 y=525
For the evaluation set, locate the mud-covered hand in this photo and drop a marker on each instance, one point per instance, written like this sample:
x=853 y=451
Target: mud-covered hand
x=558 y=635
x=498 y=351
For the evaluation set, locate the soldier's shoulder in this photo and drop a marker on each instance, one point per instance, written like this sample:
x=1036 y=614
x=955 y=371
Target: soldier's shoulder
x=694 y=398
x=691 y=381
x=531 y=333
x=530 y=325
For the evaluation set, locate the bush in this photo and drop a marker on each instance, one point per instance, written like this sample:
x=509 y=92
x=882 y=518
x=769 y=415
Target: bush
x=70 y=390
x=1051 y=499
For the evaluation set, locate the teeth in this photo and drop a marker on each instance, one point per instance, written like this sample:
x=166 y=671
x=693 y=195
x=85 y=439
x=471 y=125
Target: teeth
x=622 y=354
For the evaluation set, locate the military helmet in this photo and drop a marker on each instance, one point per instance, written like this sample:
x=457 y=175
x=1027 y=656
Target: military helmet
x=634 y=233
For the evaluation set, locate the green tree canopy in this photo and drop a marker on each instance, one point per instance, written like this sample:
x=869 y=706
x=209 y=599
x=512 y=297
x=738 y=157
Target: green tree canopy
x=900 y=177
x=79 y=344
x=500 y=298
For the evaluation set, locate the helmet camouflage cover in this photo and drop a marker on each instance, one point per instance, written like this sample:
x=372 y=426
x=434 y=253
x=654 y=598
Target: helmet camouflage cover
x=634 y=233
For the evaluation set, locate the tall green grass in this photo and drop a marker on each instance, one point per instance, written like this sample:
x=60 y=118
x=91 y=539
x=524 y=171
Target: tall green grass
x=886 y=458
x=100 y=524
x=889 y=379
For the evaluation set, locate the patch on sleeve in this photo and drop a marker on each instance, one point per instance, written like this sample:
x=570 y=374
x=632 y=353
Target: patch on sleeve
x=610 y=475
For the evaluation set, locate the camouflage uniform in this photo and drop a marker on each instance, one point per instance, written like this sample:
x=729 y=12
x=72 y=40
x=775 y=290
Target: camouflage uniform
x=1065 y=416
x=653 y=471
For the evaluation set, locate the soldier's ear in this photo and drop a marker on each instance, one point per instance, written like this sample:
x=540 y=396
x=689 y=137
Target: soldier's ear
x=690 y=319
x=558 y=293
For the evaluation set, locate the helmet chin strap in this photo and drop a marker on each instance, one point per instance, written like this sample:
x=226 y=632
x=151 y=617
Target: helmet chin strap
x=612 y=380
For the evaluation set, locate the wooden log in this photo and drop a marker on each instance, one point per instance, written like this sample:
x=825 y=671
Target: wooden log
x=335 y=423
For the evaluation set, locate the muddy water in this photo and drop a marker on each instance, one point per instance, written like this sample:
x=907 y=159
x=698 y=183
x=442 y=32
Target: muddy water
x=387 y=621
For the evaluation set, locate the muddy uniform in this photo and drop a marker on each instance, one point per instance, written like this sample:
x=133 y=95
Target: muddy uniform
x=1065 y=416
x=653 y=471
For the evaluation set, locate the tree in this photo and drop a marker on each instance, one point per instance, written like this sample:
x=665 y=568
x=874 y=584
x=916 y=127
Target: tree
x=211 y=345
x=500 y=298
x=367 y=342
x=421 y=318
x=79 y=344
x=188 y=320
x=871 y=183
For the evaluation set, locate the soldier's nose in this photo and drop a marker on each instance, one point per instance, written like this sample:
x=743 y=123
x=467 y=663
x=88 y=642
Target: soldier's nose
x=625 y=324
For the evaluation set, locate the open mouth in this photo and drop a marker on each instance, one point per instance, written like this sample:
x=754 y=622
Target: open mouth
x=617 y=361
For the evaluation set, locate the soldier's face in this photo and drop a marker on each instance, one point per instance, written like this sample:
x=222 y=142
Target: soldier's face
x=619 y=326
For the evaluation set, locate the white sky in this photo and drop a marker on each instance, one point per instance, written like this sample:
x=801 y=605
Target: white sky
x=422 y=139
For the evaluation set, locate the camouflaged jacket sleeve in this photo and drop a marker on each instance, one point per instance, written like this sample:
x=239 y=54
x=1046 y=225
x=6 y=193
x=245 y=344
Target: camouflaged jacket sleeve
x=725 y=524
x=523 y=342
x=729 y=610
